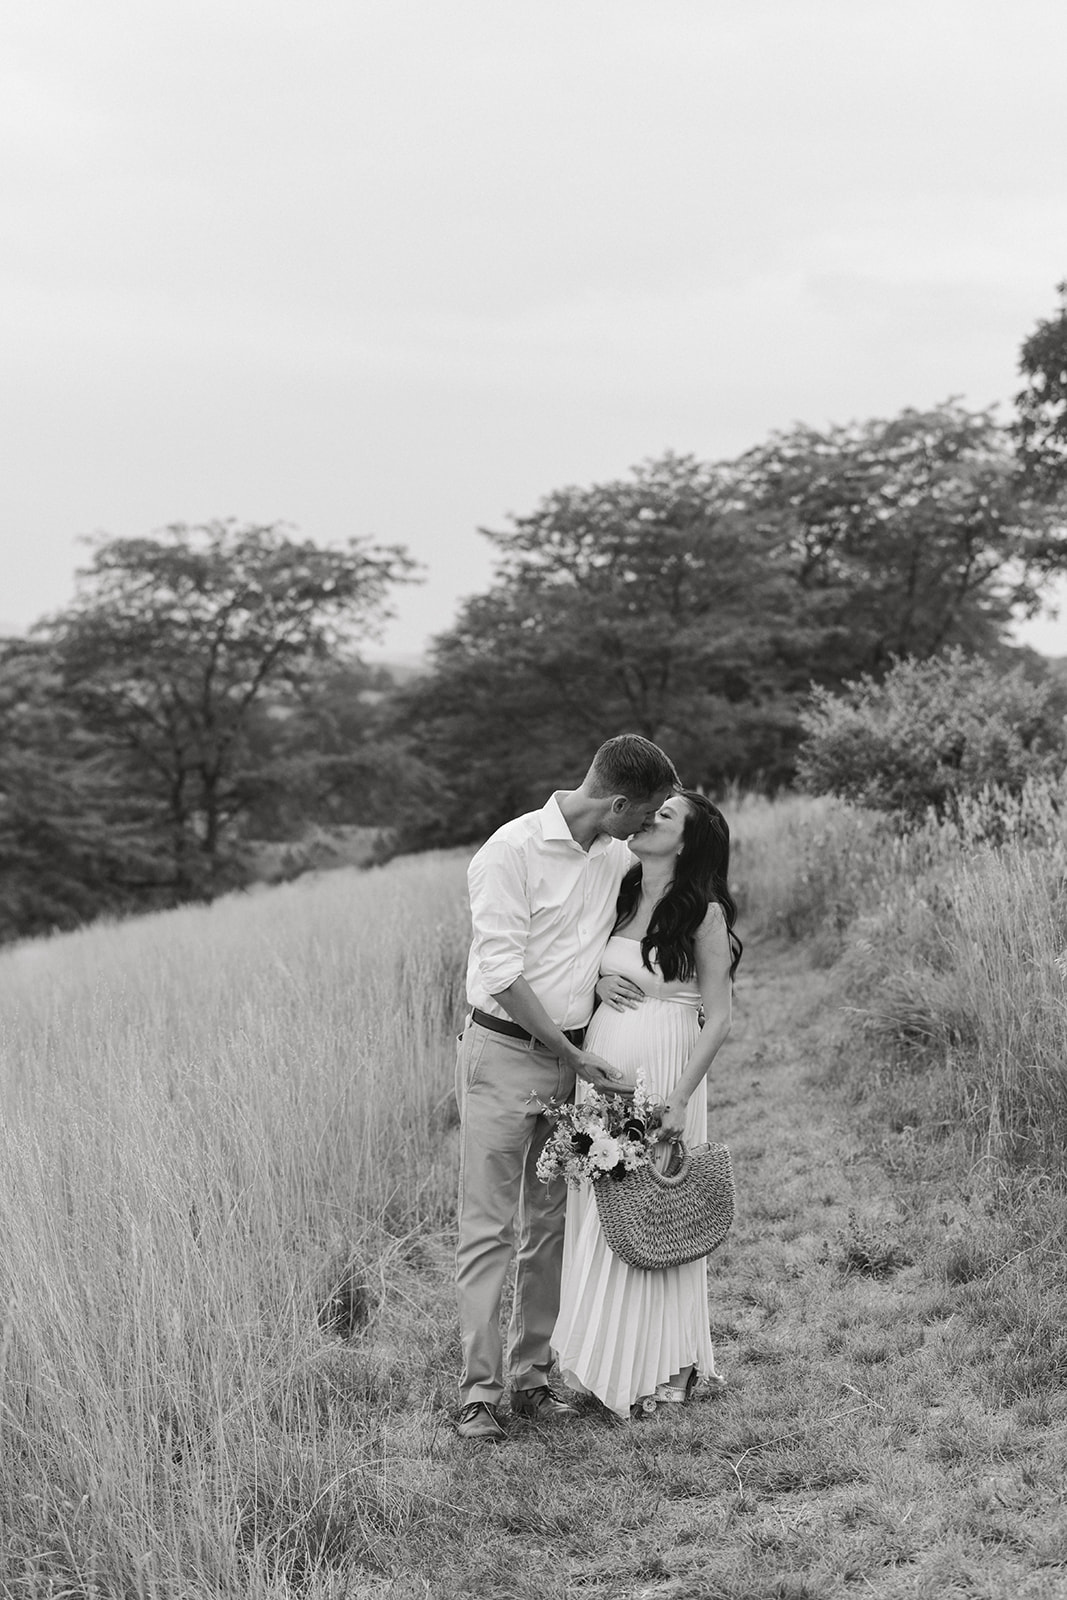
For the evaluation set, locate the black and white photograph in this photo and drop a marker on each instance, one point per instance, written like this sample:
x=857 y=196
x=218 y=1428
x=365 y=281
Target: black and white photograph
x=533 y=800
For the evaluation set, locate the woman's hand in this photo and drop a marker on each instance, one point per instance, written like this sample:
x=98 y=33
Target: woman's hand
x=619 y=993
x=670 y=1131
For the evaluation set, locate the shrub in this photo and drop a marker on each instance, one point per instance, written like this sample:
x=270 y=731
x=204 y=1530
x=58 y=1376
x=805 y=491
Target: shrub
x=931 y=734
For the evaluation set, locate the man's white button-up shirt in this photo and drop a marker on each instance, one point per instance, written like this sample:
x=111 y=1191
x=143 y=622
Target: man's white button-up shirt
x=543 y=909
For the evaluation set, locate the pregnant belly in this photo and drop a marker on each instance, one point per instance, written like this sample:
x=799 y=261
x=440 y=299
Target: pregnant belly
x=613 y=1035
x=655 y=1038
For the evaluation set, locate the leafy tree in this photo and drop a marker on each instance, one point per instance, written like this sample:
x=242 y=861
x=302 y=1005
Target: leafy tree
x=323 y=755
x=903 y=537
x=697 y=603
x=1041 y=428
x=174 y=642
x=930 y=733
x=646 y=604
x=73 y=841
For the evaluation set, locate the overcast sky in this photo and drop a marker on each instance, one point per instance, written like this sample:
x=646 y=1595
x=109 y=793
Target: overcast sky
x=396 y=268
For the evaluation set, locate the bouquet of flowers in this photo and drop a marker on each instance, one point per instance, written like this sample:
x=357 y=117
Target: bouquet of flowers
x=606 y=1135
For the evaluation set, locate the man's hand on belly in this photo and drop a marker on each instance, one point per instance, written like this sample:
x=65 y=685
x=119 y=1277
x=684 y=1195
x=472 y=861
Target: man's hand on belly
x=600 y=1073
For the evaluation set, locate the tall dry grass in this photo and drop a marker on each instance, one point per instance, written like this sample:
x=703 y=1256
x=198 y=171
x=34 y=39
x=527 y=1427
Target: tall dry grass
x=948 y=950
x=951 y=982
x=956 y=953
x=221 y=1129
x=950 y=942
x=803 y=864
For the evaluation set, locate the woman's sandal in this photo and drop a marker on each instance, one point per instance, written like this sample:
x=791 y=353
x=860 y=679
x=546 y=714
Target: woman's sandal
x=676 y=1393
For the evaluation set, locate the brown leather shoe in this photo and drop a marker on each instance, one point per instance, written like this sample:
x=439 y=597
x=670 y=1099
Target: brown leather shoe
x=541 y=1405
x=479 y=1420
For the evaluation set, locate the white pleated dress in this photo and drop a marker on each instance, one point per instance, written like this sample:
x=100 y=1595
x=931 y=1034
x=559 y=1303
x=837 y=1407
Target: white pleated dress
x=620 y=1331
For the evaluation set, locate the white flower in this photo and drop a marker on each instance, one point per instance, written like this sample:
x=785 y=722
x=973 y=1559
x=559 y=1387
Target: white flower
x=605 y=1153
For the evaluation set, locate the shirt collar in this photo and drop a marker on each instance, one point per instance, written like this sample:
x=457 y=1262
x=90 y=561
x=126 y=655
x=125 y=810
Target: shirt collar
x=554 y=826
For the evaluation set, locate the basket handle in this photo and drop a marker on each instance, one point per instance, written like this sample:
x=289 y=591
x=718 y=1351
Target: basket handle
x=676 y=1168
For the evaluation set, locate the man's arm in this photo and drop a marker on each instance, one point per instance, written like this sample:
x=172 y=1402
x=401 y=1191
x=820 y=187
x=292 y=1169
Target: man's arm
x=521 y=1003
x=500 y=912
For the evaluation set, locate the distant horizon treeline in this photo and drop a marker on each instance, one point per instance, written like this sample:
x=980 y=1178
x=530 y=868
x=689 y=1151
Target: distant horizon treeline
x=203 y=694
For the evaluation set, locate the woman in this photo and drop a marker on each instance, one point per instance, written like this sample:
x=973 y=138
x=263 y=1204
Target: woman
x=623 y=1334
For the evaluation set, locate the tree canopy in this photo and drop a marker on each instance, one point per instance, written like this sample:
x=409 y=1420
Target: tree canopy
x=902 y=537
x=173 y=642
x=1041 y=428
x=75 y=839
x=698 y=603
x=644 y=604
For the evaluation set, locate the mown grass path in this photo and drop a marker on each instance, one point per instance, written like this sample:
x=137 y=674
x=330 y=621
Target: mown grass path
x=862 y=1448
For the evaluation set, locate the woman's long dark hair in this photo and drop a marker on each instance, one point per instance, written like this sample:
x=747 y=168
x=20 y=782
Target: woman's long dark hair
x=700 y=876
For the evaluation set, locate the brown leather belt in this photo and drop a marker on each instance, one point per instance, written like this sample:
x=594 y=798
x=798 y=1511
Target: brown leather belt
x=513 y=1031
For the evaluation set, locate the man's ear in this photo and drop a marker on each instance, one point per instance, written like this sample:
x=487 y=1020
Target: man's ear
x=619 y=802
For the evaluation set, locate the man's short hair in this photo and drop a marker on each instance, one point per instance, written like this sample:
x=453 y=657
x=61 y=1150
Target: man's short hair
x=633 y=766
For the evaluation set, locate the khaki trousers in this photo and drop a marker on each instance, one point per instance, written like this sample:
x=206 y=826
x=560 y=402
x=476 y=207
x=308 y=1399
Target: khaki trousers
x=506 y=1210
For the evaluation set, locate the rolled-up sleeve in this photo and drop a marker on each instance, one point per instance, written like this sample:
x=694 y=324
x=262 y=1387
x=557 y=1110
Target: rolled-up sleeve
x=500 y=915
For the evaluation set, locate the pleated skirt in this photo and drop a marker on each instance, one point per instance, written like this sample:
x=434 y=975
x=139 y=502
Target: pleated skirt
x=621 y=1331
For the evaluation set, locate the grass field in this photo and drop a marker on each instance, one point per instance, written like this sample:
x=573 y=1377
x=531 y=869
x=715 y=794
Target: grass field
x=228 y=1353
x=225 y=1135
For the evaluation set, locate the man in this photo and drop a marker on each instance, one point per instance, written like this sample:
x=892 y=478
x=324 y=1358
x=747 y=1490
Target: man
x=543 y=892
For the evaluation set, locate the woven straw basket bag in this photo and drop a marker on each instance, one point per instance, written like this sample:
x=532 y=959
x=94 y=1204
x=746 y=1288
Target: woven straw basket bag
x=654 y=1219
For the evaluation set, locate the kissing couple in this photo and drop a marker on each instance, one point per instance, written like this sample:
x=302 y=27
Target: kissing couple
x=603 y=946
